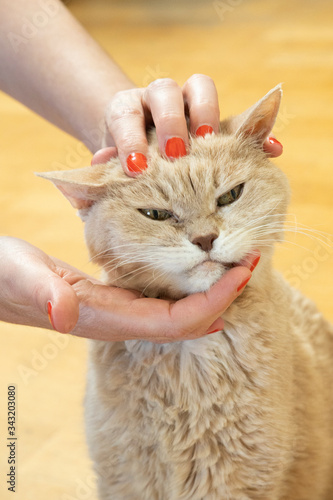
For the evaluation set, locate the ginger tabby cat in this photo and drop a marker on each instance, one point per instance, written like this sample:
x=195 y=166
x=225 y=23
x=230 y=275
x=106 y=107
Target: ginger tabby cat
x=241 y=414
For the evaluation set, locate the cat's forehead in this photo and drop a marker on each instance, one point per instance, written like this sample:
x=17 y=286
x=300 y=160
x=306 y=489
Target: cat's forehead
x=213 y=165
x=214 y=160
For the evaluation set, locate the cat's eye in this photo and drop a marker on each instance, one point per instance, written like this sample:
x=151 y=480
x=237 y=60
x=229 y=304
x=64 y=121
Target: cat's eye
x=155 y=214
x=230 y=196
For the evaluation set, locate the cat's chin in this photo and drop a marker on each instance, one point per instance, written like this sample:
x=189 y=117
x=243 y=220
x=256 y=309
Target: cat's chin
x=198 y=278
x=175 y=287
x=202 y=277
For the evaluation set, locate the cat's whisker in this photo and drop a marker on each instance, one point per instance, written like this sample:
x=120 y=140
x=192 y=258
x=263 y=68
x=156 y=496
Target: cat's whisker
x=113 y=267
x=126 y=246
x=303 y=226
x=325 y=242
x=267 y=215
x=308 y=232
x=137 y=271
x=159 y=276
x=134 y=273
x=274 y=226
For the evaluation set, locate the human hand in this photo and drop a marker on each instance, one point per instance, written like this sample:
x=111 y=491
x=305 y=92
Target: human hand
x=34 y=285
x=164 y=104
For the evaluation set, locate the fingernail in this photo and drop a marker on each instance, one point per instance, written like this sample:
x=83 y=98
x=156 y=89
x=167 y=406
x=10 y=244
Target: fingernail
x=175 y=147
x=136 y=162
x=272 y=140
x=49 y=313
x=203 y=130
x=254 y=263
x=214 y=331
x=242 y=285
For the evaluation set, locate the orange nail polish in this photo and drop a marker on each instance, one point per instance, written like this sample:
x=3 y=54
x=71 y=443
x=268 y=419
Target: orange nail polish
x=175 y=147
x=49 y=313
x=214 y=331
x=136 y=162
x=242 y=285
x=254 y=263
x=272 y=140
x=203 y=130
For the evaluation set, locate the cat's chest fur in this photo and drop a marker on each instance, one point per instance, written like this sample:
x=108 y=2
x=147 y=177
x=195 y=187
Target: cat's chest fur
x=241 y=414
x=200 y=408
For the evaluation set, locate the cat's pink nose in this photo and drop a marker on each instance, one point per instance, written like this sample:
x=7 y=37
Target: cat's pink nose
x=205 y=242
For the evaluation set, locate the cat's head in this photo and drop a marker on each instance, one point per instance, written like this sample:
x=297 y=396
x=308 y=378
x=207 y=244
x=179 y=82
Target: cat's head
x=176 y=228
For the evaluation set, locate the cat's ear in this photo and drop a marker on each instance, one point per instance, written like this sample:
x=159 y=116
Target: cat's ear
x=82 y=186
x=257 y=122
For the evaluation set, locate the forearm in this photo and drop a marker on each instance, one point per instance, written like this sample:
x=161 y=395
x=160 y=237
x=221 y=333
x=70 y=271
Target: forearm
x=56 y=68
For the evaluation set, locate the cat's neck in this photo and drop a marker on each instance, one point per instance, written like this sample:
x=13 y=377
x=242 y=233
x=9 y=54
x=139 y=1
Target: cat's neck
x=252 y=351
x=261 y=309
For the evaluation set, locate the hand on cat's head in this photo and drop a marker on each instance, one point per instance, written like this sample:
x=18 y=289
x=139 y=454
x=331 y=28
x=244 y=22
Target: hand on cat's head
x=164 y=104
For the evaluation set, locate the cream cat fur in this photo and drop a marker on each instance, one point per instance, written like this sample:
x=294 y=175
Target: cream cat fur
x=241 y=414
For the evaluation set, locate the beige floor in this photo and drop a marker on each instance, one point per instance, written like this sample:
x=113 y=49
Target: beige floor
x=247 y=47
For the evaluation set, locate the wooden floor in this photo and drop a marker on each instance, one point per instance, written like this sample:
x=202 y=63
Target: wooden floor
x=247 y=47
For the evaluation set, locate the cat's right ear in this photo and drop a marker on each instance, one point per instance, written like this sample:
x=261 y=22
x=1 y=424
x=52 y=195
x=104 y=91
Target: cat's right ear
x=82 y=186
x=256 y=122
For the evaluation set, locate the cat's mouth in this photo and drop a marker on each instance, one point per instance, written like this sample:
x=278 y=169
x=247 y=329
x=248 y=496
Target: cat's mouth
x=212 y=263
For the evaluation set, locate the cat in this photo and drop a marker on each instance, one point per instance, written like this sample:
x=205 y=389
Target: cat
x=244 y=413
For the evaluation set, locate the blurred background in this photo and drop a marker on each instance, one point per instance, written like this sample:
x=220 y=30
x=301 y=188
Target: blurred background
x=247 y=47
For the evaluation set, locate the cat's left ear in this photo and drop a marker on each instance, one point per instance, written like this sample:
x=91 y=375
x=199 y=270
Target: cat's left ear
x=82 y=186
x=257 y=122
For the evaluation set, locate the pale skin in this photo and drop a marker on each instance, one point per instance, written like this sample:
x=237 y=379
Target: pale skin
x=53 y=73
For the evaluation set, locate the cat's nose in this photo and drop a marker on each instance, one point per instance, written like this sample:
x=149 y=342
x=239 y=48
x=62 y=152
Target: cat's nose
x=205 y=242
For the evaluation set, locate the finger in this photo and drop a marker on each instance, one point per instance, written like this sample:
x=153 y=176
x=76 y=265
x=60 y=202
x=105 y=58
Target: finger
x=201 y=98
x=217 y=326
x=273 y=147
x=103 y=155
x=125 y=119
x=164 y=99
x=251 y=260
x=196 y=313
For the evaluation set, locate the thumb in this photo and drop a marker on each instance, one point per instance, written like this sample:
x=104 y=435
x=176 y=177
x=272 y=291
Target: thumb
x=33 y=289
x=56 y=298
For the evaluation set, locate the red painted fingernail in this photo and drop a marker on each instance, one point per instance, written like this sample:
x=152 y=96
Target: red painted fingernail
x=203 y=130
x=214 y=331
x=272 y=140
x=49 y=313
x=254 y=263
x=136 y=162
x=242 y=285
x=175 y=147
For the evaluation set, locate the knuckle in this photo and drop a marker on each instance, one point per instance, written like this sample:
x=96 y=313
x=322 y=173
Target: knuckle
x=124 y=103
x=161 y=84
x=168 y=118
x=129 y=140
x=198 y=78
